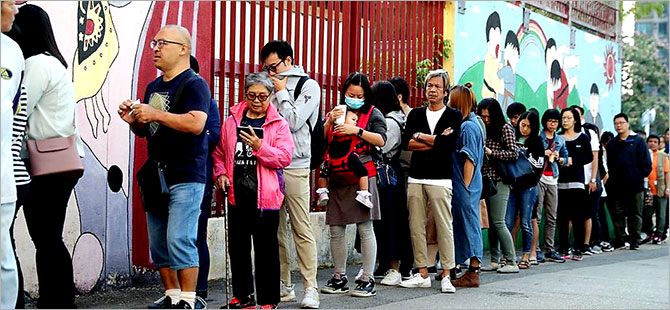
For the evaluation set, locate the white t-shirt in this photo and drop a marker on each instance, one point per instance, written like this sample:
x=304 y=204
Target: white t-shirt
x=595 y=145
x=433 y=117
x=51 y=103
x=12 y=71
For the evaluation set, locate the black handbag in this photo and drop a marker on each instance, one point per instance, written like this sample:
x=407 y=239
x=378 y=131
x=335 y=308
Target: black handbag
x=153 y=187
x=488 y=187
x=386 y=175
x=516 y=172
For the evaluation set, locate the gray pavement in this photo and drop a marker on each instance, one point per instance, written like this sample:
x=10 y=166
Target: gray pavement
x=622 y=279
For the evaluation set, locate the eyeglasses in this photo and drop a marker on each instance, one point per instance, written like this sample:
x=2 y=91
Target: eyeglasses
x=261 y=97
x=273 y=68
x=619 y=123
x=160 y=43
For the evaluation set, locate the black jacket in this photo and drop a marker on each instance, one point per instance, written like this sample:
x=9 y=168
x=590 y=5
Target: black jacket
x=435 y=164
x=629 y=163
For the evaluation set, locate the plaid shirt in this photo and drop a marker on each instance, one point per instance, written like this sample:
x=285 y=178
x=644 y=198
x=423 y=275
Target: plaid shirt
x=504 y=150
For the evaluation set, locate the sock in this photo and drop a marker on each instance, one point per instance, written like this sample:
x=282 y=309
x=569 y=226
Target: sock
x=322 y=190
x=173 y=294
x=188 y=297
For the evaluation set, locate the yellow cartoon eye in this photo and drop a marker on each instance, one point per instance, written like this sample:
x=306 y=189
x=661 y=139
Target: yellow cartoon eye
x=6 y=74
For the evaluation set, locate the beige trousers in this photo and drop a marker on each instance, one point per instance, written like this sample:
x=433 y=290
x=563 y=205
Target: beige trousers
x=439 y=197
x=296 y=210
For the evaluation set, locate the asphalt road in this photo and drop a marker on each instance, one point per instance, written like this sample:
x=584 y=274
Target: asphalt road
x=621 y=279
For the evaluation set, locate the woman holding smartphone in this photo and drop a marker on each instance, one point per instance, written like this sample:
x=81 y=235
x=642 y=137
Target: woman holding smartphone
x=249 y=163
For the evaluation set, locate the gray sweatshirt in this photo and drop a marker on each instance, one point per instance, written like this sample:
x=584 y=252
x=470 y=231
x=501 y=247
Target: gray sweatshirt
x=393 y=133
x=297 y=112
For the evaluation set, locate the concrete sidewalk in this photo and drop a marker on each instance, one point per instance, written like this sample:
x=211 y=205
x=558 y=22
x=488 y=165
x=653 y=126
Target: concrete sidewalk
x=622 y=279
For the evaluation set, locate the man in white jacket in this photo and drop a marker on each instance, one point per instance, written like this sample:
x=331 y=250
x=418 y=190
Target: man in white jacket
x=301 y=112
x=12 y=73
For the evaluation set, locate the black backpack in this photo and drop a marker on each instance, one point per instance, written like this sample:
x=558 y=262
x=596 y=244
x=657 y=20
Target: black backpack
x=318 y=142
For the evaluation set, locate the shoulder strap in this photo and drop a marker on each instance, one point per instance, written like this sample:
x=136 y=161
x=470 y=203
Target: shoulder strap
x=396 y=121
x=298 y=87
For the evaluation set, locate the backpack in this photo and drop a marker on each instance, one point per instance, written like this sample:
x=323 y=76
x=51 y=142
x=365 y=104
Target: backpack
x=337 y=163
x=318 y=143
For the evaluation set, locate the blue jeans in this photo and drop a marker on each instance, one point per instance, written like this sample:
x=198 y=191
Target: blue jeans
x=172 y=236
x=522 y=201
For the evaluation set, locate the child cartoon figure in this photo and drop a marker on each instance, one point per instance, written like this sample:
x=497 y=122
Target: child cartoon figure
x=508 y=73
x=492 y=83
x=559 y=86
x=342 y=155
x=592 y=116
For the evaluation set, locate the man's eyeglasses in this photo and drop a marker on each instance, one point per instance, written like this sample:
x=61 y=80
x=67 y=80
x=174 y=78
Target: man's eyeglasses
x=261 y=97
x=160 y=43
x=273 y=68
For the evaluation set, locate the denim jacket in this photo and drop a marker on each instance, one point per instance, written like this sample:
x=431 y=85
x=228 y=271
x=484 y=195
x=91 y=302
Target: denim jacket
x=560 y=147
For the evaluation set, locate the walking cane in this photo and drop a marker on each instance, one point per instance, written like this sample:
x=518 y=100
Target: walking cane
x=225 y=223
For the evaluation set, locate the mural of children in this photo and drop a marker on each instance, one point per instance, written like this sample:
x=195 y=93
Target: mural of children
x=559 y=86
x=508 y=73
x=492 y=83
x=592 y=116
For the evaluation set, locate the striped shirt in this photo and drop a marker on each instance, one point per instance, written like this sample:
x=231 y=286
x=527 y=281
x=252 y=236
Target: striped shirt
x=21 y=174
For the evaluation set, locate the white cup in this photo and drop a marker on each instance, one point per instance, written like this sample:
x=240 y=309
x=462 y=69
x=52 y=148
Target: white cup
x=343 y=108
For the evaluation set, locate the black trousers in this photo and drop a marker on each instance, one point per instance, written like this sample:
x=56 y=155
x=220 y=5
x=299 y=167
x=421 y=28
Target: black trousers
x=573 y=206
x=201 y=241
x=392 y=231
x=594 y=203
x=21 y=195
x=45 y=210
x=604 y=234
x=245 y=222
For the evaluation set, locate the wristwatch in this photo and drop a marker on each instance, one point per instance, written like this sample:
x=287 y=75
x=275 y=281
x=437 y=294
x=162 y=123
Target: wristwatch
x=360 y=132
x=416 y=135
x=593 y=180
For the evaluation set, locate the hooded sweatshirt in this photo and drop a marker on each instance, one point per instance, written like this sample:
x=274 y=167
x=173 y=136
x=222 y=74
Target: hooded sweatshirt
x=298 y=112
x=395 y=124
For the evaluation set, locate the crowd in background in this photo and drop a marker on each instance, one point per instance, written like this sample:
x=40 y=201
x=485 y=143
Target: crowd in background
x=420 y=184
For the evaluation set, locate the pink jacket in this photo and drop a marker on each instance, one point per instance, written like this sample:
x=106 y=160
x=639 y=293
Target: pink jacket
x=275 y=153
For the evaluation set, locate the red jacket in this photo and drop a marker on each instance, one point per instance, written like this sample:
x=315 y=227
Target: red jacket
x=275 y=153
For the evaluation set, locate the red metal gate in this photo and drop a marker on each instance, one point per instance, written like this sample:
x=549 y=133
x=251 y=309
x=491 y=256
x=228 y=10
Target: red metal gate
x=330 y=39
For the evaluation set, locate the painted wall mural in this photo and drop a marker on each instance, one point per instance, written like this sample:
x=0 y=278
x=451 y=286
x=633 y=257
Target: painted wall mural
x=536 y=67
x=110 y=61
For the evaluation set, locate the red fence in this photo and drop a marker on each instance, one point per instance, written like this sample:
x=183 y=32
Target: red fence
x=330 y=40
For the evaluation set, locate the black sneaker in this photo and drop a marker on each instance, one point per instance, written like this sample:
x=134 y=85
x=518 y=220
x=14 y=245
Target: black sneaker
x=634 y=245
x=164 y=302
x=244 y=303
x=554 y=257
x=336 y=286
x=182 y=304
x=586 y=250
x=606 y=247
x=364 y=289
x=200 y=303
x=577 y=255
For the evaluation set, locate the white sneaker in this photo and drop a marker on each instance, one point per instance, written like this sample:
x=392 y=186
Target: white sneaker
x=392 y=278
x=446 y=286
x=286 y=292
x=364 y=198
x=416 y=281
x=323 y=197
x=359 y=275
x=310 y=299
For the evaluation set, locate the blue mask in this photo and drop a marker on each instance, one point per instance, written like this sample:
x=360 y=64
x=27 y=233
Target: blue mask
x=354 y=103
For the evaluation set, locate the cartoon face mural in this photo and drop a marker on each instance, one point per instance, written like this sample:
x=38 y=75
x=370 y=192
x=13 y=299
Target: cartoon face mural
x=539 y=69
x=111 y=62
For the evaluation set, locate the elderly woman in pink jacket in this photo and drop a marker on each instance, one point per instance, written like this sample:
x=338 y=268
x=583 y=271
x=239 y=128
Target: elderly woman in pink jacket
x=254 y=147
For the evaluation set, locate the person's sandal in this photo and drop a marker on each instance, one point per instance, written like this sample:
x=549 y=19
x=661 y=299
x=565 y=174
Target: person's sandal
x=534 y=262
x=524 y=264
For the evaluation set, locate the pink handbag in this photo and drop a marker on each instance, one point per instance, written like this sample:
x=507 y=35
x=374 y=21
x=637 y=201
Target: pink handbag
x=55 y=155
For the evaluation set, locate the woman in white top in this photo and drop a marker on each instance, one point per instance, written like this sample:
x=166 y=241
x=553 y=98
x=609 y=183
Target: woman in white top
x=51 y=113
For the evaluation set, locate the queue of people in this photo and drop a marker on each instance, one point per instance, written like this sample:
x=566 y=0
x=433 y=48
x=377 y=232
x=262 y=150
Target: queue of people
x=407 y=178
